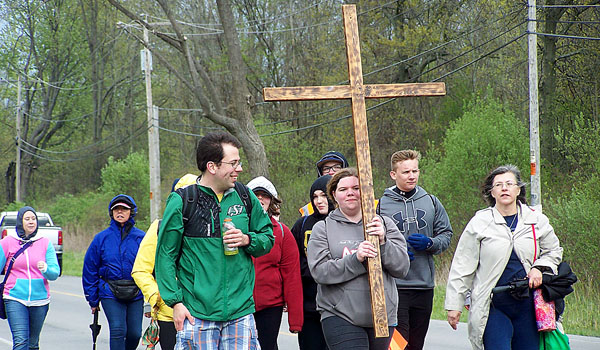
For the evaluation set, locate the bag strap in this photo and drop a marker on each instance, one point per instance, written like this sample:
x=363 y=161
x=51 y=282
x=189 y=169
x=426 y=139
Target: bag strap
x=244 y=194
x=281 y=228
x=14 y=257
x=534 y=243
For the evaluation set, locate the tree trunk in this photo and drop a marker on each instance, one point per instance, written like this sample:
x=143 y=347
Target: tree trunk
x=241 y=97
x=233 y=112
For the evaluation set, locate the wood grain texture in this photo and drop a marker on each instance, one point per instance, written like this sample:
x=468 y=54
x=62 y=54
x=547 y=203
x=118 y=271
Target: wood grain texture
x=340 y=92
x=303 y=93
x=363 y=158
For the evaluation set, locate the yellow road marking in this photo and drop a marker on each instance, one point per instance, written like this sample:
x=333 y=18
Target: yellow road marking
x=66 y=293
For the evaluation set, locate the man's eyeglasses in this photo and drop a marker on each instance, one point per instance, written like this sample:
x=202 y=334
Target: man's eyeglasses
x=234 y=164
x=327 y=169
x=500 y=185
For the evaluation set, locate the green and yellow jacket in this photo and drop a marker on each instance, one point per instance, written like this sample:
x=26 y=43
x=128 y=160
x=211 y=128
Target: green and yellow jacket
x=191 y=267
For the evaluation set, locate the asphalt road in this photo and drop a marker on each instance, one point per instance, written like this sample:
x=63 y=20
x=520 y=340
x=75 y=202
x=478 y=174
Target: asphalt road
x=67 y=326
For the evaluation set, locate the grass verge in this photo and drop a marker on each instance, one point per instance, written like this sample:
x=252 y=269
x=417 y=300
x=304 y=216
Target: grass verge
x=578 y=318
x=73 y=263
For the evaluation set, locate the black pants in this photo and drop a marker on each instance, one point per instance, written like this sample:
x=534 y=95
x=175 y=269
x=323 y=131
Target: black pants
x=343 y=335
x=267 y=325
x=414 y=312
x=167 y=335
x=311 y=337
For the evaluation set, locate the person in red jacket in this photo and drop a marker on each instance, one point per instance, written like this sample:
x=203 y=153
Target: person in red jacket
x=278 y=286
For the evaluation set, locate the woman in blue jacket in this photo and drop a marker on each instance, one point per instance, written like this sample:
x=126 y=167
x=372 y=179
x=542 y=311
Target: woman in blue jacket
x=107 y=274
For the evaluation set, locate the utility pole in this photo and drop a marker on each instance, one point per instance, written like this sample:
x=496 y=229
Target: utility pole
x=153 y=137
x=534 y=118
x=18 y=127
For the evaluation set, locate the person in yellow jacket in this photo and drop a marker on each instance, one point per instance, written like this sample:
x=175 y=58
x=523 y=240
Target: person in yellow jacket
x=143 y=275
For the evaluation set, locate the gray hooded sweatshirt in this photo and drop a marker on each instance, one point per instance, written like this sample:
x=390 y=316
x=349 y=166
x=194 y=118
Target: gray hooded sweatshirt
x=343 y=285
x=421 y=213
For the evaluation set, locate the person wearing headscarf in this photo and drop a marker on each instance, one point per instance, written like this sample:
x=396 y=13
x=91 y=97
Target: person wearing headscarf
x=311 y=335
x=278 y=285
x=107 y=277
x=26 y=292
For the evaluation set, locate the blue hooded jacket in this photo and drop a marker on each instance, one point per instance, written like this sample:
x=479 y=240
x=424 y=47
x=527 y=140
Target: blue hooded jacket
x=110 y=257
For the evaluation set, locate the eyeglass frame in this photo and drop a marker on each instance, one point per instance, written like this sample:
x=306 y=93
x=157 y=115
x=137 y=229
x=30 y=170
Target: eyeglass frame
x=326 y=169
x=508 y=184
x=234 y=163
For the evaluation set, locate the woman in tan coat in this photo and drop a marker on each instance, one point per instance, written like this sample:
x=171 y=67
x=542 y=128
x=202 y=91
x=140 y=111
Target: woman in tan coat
x=504 y=242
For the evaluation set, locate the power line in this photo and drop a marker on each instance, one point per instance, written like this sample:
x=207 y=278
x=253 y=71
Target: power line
x=565 y=36
x=57 y=120
x=468 y=51
x=393 y=99
x=481 y=57
x=565 y=22
x=136 y=133
x=565 y=6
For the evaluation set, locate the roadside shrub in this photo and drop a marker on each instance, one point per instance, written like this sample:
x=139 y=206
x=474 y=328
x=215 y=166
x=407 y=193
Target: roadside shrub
x=486 y=136
x=129 y=176
x=573 y=216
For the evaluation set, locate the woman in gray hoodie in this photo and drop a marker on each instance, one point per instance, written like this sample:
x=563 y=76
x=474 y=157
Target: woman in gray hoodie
x=337 y=253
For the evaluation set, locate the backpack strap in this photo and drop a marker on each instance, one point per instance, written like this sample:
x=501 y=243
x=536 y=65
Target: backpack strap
x=12 y=261
x=281 y=228
x=244 y=193
x=189 y=197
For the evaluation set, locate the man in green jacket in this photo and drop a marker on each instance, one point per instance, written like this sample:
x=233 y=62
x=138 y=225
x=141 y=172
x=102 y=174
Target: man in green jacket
x=210 y=292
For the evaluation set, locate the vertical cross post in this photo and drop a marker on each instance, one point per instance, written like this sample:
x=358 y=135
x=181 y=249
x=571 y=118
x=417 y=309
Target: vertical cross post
x=357 y=92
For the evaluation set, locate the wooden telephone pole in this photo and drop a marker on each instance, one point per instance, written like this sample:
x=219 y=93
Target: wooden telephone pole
x=534 y=117
x=18 y=128
x=153 y=137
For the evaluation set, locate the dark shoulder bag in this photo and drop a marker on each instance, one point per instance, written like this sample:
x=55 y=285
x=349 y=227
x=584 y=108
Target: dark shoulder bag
x=12 y=261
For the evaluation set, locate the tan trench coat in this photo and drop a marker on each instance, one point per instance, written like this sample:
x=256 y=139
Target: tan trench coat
x=482 y=253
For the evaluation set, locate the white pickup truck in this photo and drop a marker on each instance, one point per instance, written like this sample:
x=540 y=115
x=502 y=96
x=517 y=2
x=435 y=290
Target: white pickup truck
x=46 y=228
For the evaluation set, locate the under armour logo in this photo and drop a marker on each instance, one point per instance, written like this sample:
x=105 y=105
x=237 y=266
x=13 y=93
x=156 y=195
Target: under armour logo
x=403 y=223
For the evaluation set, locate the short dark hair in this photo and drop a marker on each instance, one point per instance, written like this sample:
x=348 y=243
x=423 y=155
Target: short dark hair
x=486 y=189
x=210 y=148
x=335 y=180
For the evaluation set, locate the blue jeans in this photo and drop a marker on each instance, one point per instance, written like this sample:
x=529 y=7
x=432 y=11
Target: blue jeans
x=511 y=324
x=25 y=324
x=124 y=322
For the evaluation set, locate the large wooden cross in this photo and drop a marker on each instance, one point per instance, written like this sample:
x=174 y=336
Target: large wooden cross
x=357 y=92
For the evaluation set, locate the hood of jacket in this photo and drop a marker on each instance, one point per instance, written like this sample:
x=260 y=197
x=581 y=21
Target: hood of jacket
x=19 y=224
x=331 y=155
x=123 y=198
x=320 y=184
x=261 y=183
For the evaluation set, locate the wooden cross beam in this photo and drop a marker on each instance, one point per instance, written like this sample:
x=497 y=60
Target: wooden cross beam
x=357 y=92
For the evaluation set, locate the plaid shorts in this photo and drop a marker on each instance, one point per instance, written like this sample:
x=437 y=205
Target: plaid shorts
x=238 y=334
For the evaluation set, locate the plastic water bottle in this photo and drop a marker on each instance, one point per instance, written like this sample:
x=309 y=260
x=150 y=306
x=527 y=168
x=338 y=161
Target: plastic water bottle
x=228 y=225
